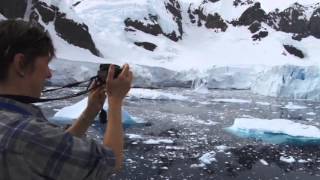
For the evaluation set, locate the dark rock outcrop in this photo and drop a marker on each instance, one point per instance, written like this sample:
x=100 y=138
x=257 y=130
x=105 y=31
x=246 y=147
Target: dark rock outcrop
x=293 y=20
x=252 y=14
x=12 y=9
x=146 y=45
x=260 y=35
x=75 y=33
x=151 y=27
x=237 y=3
x=314 y=24
x=216 y=22
x=211 y=21
x=294 y=51
x=255 y=27
x=46 y=12
x=150 y=24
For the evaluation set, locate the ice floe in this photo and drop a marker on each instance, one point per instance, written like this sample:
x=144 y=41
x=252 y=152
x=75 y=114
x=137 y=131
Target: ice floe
x=69 y=114
x=154 y=95
x=274 y=130
x=289 y=159
x=208 y=158
x=292 y=106
x=232 y=100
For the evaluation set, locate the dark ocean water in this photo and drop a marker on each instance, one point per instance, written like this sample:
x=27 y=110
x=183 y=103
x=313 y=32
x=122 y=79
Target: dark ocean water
x=179 y=132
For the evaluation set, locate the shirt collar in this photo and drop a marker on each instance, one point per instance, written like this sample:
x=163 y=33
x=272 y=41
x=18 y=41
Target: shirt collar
x=30 y=108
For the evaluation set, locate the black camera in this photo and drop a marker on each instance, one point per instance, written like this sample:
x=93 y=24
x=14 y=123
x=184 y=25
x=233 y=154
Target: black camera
x=103 y=72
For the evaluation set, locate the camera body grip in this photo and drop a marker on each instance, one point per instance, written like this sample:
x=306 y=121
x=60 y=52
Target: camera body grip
x=104 y=69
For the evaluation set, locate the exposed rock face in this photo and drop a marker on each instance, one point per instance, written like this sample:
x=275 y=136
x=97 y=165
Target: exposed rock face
x=13 y=8
x=292 y=20
x=46 y=12
x=314 y=24
x=146 y=45
x=75 y=33
x=174 y=8
x=252 y=14
x=71 y=31
x=215 y=22
x=255 y=27
x=151 y=25
x=294 y=51
x=260 y=35
x=237 y=3
x=211 y=21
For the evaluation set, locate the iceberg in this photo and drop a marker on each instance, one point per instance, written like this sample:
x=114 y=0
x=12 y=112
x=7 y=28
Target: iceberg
x=275 y=130
x=289 y=81
x=69 y=114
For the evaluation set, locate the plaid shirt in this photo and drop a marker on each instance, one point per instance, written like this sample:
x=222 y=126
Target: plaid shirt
x=32 y=148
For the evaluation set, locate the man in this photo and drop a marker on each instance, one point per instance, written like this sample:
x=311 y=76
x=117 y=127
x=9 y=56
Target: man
x=30 y=146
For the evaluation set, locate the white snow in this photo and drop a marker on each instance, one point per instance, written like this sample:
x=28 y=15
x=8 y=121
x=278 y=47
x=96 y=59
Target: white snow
x=289 y=159
x=276 y=126
x=208 y=158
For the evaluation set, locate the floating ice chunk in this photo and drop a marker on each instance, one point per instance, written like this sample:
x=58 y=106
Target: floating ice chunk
x=208 y=158
x=264 y=162
x=154 y=95
x=232 y=100
x=275 y=126
x=222 y=148
x=197 y=165
x=302 y=161
x=209 y=123
x=69 y=114
x=289 y=159
x=292 y=106
x=311 y=113
x=158 y=141
x=134 y=136
x=174 y=148
x=263 y=103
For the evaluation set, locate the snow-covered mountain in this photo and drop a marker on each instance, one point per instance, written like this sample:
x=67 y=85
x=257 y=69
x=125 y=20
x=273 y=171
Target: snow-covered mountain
x=242 y=44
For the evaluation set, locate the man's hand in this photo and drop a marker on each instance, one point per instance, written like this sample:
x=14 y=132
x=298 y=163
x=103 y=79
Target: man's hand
x=96 y=100
x=118 y=88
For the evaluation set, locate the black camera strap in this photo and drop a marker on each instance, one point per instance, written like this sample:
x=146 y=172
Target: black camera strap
x=28 y=100
x=71 y=85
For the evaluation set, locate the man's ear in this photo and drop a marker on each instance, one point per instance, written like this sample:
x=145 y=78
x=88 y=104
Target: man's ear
x=19 y=64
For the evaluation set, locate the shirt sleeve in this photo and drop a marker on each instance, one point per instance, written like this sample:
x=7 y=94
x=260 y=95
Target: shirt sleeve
x=55 y=154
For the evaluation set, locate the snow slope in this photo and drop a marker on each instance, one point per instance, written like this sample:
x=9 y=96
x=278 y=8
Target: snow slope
x=224 y=60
